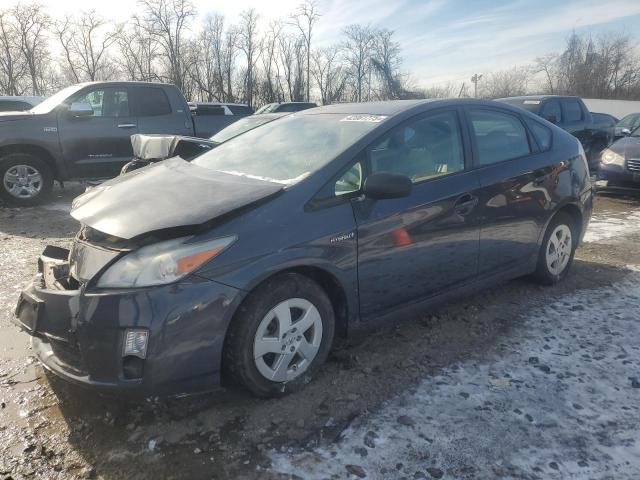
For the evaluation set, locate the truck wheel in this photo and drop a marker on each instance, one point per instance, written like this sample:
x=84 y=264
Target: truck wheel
x=280 y=336
x=25 y=180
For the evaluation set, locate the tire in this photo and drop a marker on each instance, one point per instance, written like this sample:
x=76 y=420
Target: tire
x=547 y=272
x=258 y=324
x=24 y=167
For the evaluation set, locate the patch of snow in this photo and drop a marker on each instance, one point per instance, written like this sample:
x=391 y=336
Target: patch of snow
x=558 y=399
x=608 y=225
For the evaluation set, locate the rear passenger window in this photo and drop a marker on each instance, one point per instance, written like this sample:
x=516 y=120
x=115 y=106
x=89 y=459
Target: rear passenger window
x=153 y=102
x=425 y=148
x=541 y=133
x=499 y=136
x=572 y=111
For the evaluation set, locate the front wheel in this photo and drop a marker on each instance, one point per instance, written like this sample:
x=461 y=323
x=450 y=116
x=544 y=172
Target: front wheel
x=26 y=180
x=280 y=336
x=557 y=251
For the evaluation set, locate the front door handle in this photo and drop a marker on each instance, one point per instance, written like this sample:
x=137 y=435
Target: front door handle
x=465 y=204
x=127 y=125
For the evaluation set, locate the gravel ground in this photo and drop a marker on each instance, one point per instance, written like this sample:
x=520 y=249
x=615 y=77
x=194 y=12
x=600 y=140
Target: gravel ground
x=519 y=381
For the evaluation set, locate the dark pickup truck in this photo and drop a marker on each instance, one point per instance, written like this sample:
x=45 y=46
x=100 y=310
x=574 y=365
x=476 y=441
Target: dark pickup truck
x=84 y=132
x=572 y=115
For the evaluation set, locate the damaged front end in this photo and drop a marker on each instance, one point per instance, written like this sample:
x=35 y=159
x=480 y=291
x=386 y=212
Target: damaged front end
x=164 y=339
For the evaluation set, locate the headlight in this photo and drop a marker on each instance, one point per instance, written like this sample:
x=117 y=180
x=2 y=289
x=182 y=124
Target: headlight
x=609 y=157
x=161 y=263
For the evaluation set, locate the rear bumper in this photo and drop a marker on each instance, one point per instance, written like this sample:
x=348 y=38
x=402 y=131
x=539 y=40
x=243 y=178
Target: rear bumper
x=78 y=335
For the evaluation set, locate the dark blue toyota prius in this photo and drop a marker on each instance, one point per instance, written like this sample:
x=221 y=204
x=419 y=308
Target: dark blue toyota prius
x=244 y=263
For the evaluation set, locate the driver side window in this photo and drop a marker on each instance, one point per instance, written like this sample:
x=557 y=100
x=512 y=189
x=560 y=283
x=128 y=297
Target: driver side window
x=107 y=102
x=422 y=149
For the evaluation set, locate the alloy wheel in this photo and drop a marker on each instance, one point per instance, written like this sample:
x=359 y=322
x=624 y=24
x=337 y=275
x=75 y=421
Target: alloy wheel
x=23 y=181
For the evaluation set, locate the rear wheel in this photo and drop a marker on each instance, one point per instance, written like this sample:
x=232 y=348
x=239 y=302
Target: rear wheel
x=558 y=249
x=281 y=335
x=25 y=179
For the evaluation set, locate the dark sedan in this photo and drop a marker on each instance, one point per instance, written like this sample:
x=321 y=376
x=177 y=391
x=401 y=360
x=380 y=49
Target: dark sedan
x=244 y=263
x=620 y=162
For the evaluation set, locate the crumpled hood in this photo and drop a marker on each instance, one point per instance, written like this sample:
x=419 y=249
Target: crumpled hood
x=628 y=147
x=9 y=116
x=172 y=193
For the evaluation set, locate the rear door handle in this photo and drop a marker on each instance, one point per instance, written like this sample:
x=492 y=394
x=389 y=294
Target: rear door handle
x=127 y=125
x=465 y=204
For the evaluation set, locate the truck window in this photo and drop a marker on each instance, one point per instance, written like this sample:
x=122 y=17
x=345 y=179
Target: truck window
x=209 y=110
x=572 y=110
x=13 y=106
x=106 y=102
x=550 y=110
x=153 y=101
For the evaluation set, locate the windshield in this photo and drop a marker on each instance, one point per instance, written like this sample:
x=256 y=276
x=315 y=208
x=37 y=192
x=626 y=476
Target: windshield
x=635 y=133
x=288 y=150
x=269 y=107
x=627 y=121
x=55 y=100
x=240 y=126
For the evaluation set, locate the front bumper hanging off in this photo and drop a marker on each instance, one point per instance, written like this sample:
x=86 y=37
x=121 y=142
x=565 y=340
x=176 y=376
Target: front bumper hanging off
x=78 y=334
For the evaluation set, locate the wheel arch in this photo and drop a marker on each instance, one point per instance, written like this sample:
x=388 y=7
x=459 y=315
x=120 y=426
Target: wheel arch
x=334 y=289
x=35 y=150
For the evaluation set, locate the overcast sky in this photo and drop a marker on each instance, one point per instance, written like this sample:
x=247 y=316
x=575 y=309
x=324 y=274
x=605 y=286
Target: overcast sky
x=442 y=40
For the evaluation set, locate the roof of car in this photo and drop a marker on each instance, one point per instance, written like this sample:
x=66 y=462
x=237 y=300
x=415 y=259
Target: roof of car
x=273 y=115
x=22 y=98
x=218 y=103
x=535 y=97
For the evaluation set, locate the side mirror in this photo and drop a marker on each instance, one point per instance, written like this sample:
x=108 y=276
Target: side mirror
x=626 y=132
x=81 y=109
x=382 y=185
x=551 y=118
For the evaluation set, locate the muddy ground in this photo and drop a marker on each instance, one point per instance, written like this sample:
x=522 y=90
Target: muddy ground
x=51 y=430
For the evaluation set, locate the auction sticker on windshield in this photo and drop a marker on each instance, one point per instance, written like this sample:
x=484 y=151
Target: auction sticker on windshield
x=364 y=118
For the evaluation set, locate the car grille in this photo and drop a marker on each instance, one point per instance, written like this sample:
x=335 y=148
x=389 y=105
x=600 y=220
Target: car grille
x=633 y=164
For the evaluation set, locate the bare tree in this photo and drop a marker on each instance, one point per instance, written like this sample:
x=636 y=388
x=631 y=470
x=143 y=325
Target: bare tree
x=291 y=49
x=386 y=61
x=167 y=21
x=357 y=53
x=329 y=74
x=505 y=83
x=205 y=70
x=30 y=27
x=249 y=43
x=85 y=40
x=305 y=17
x=270 y=91
x=138 y=51
x=12 y=66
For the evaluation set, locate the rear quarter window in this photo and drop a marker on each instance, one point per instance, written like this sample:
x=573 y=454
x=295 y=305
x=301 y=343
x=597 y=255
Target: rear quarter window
x=541 y=133
x=152 y=102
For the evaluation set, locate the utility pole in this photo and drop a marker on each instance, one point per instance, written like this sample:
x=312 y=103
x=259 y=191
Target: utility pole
x=475 y=79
